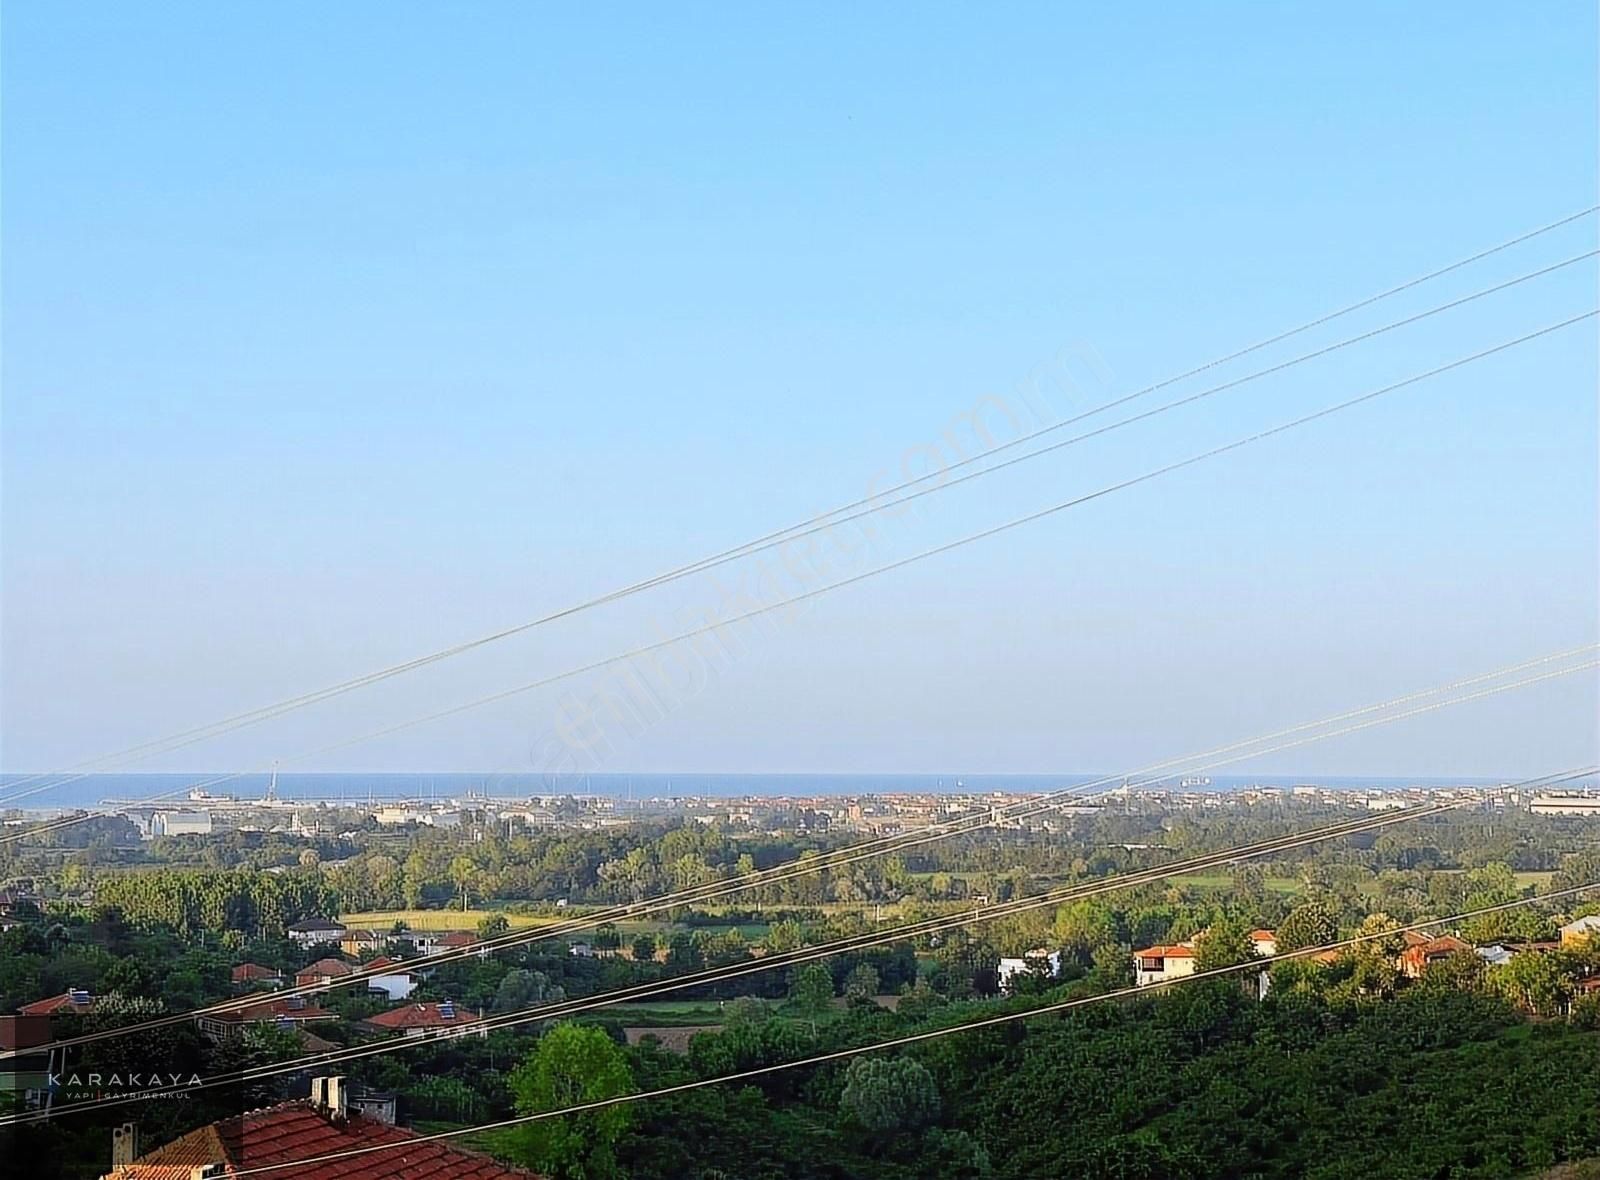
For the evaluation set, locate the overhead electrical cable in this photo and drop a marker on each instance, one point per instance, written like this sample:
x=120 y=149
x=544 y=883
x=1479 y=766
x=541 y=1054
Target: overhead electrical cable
x=267 y=712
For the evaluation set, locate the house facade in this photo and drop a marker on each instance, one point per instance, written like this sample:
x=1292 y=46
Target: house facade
x=1158 y=964
x=316 y=932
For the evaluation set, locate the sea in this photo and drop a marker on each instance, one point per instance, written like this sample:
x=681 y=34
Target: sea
x=44 y=793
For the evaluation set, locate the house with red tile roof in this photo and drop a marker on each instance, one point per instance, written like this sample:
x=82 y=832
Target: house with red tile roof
x=323 y=971
x=255 y=975
x=72 y=1002
x=391 y=978
x=1417 y=957
x=289 y=1013
x=292 y=1132
x=445 y=1018
x=1157 y=964
x=1265 y=942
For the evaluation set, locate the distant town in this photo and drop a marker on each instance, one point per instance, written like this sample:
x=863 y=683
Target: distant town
x=200 y=813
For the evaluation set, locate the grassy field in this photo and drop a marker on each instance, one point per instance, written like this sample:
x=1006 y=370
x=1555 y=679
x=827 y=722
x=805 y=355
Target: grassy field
x=666 y=1012
x=382 y=920
x=1286 y=885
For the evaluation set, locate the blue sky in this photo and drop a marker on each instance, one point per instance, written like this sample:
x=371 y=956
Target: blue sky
x=333 y=336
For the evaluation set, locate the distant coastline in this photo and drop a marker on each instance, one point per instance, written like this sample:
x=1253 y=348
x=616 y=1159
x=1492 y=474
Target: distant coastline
x=353 y=788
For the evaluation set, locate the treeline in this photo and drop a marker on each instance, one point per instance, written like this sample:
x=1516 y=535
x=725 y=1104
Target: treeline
x=1199 y=1084
x=188 y=901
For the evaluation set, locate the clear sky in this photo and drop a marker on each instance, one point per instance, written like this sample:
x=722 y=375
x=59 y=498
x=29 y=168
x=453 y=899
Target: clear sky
x=335 y=334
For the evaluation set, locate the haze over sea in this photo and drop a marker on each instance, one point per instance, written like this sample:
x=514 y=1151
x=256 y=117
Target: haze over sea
x=357 y=788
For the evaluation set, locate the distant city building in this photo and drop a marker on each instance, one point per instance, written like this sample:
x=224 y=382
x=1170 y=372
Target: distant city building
x=1585 y=805
x=180 y=823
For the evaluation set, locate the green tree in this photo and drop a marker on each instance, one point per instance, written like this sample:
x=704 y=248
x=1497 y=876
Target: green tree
x=812 y=989
x=861 y=984
x=884 y=1096
x=572 y=1064
x=1535 y=983
x=1225 y=944
x=463 y=872
x=1312 y=923
x=644 y=948
x=493 y=925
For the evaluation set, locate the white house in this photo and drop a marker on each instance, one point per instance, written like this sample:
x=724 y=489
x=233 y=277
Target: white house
x=1157 y=964
x=316 y=931
x=1010 y=969
x=393 y=979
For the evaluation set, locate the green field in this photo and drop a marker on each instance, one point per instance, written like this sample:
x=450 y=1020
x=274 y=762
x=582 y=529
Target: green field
x=382 y=920
x=666 y=1012
x=1224 y=881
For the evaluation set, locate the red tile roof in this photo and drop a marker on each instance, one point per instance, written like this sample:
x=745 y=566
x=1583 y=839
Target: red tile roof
x=295 y=1131
x=329 y=967
x=250 y=972
x=271 y=1010
x=422 y=1015
x=56 y=1004
x=457 y=938
x=1166 y=952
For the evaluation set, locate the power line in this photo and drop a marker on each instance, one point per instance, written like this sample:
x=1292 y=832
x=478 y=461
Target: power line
x=268 y=712
x=918 y=1038
x=901 y=563
x=852 y=854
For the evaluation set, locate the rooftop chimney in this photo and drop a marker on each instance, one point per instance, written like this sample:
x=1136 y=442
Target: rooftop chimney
x=330 y=1096
x=124 y=1144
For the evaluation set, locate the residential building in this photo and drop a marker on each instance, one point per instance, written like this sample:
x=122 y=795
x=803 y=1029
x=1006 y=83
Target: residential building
x=289 y=1013
x=1580 y=931
x=253 y=975
x=392 y=980
x=1158 y=964
x=330 y=1123
x=316 y=931
x=72 y=1002
x=381 y=1106
x=428 y=1019
x=356 y=943
x=1417 y=957
x=1039 y=959
x=322 y=972
x=1265 y=942
x=1496 y=955
x=458 y=940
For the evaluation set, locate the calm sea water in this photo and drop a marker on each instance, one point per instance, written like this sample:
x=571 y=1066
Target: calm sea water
x=355 y=788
